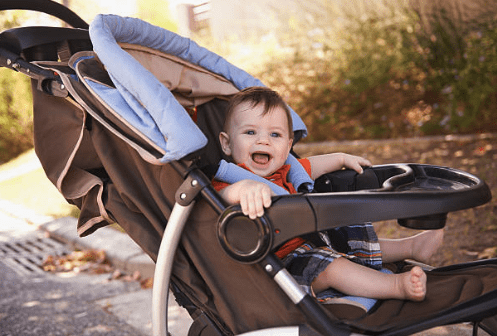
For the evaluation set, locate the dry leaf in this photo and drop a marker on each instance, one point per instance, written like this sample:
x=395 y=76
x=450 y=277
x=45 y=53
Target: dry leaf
x=488 y=253
x=116 y=274
x=79 y=261
x=147 y=283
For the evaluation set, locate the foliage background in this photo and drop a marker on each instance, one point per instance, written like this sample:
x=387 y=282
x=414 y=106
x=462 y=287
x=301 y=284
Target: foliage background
x=16 y=112
x=390 y=71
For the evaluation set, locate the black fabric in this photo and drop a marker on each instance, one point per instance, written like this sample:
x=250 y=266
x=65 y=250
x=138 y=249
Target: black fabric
x=210 y=119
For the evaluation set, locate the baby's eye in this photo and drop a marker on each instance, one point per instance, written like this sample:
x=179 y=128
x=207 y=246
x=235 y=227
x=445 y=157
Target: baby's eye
x=250 y=132
x=275 y=135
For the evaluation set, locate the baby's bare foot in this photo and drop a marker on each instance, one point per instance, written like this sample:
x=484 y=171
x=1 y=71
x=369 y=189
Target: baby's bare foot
x=425 y=244
x=413 y=284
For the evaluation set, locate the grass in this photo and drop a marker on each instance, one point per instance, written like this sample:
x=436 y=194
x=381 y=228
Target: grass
x=33 y=189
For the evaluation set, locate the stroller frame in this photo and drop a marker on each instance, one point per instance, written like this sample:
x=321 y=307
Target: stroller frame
x=425 y=210
x=179 y=216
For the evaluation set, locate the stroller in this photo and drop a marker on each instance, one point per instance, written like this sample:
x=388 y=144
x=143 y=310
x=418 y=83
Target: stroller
x=126 y=118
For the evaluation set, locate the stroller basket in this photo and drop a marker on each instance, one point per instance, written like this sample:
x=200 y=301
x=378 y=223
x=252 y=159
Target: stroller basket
x=140 y=157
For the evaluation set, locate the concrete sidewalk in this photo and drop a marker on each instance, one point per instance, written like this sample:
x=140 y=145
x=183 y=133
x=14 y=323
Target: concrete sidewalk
x=120 y=249
x=134 y=308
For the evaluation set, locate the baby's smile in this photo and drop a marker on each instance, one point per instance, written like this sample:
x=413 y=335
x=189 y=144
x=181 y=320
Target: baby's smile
x=261 y=158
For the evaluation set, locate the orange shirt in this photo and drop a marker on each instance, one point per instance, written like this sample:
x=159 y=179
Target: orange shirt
x=280 y=179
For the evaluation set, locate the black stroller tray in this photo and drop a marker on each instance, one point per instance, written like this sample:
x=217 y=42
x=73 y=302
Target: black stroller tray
x=419 y=196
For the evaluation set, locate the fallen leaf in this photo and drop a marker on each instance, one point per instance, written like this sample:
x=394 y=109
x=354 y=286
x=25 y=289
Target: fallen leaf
x=116 y=274
x=147 y=283
x=488 y=253
x=470 y=253
x=136 y=275
x=79 y=261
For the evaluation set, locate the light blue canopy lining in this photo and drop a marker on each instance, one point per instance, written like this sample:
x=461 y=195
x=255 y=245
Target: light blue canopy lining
x=139 y=96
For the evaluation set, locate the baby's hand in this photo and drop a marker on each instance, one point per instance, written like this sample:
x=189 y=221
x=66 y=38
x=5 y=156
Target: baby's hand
x=252 y=196
x=326 y=163
x=355 y=162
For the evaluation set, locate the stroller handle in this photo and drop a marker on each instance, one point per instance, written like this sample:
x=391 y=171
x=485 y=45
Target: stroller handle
x=48 y=7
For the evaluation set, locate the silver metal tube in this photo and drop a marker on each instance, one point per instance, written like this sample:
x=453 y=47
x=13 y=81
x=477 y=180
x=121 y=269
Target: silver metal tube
x=288 y=284
x=164 y=265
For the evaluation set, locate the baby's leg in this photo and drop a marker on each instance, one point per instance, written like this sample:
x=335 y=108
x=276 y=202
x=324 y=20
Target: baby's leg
x=354 y=279
x=419 y=247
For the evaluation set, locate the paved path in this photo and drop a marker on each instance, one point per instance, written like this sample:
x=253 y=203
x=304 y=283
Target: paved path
x=127 y=302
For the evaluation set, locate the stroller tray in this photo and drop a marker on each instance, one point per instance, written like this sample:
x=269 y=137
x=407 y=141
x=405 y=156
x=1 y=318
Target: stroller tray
x=419 y=196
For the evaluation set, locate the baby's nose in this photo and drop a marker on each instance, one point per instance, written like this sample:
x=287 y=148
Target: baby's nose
x=263 y=139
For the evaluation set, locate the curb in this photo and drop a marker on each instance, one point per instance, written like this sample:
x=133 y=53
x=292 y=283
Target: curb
x=303 y=146
x=120 y=249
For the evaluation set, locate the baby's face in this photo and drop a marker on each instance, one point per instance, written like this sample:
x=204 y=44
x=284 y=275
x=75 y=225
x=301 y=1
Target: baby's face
x=262 y=143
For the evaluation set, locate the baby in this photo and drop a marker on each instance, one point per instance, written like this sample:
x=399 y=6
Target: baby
x=258 y=136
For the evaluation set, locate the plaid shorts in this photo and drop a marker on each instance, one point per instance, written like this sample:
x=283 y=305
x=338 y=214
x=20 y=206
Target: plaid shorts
x=357 y=243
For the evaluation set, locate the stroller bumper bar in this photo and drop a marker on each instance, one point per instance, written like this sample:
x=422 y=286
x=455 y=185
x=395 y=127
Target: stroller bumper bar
x=418 y=196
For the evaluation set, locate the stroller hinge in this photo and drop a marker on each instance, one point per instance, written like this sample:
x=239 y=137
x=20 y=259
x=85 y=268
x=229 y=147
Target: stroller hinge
x=191 y=187
x=47 y=81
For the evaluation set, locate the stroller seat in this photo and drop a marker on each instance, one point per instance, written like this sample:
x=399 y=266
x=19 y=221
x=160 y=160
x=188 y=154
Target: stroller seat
x=218 y=263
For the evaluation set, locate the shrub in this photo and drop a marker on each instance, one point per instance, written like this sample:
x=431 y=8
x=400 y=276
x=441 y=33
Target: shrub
x=391 y=72
x=16 y=111
x=16 y=114
x=461 y=62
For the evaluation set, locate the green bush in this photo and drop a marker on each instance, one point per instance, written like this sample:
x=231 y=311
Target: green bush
x=462 y=69
x=388 y=73
x=16 y=114
x=16 y=111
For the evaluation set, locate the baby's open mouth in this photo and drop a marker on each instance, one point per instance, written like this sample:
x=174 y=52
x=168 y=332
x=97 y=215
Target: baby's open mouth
x=261 y=158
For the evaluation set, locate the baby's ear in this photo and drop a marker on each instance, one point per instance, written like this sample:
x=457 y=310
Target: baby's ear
x=224 y=139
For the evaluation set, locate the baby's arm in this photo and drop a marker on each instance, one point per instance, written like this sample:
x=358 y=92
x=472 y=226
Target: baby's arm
x=322 y=164
x=252 y=196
